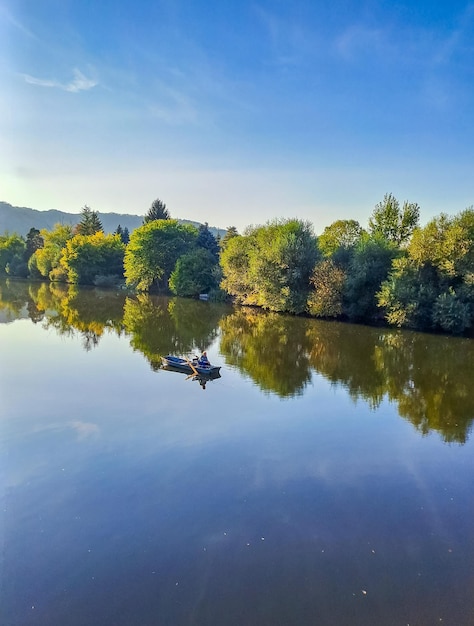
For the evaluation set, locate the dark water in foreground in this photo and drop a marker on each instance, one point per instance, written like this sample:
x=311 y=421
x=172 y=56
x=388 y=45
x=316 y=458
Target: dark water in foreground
x=325 y=479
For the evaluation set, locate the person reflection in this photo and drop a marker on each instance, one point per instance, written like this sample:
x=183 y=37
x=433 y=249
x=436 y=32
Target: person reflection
x=202 y=381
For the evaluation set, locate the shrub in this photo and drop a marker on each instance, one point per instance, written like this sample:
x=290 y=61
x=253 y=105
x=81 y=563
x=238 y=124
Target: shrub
x=451 y=314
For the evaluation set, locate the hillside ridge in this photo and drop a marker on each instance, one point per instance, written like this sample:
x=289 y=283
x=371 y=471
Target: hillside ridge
x=19 y=220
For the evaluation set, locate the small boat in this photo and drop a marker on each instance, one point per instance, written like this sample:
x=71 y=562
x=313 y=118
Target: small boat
x=189 y=366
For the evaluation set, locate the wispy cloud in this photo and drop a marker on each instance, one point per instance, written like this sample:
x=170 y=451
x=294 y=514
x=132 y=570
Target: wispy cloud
x=290 y=43
x=359 y=40
x=457 y=37
x=175 y=108
x=85 y=430
x=429 y=46
x=80 y=82
x=11 y=19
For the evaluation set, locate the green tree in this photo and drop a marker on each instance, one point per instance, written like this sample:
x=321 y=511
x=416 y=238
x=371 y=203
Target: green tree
x=157 y=211
x=434 y=286
x=32 y=266
x=90 y=222
x=207 y=241
x=429 y=245
x=408 y=295
x=153 y=250
x=368 y=268
x=85 y=257
x=340 y=234
x=326 y=299
x=34 y=241
x=282 y=267
x=46 y=259
x=12 y=253
x=393 y=223
x=451 y=313
x=229 y=234
x=123 y=233
x=447 y=243
x=194 y=273
x=271 y=265
x=235 y=264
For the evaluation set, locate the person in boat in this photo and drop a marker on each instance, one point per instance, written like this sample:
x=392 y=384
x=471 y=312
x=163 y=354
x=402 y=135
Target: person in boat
x=203 y=360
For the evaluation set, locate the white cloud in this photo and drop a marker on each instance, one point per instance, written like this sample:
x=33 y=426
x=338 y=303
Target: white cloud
x=78 y=83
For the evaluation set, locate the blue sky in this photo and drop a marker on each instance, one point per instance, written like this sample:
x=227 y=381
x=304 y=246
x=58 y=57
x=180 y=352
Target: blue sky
x=237 y=112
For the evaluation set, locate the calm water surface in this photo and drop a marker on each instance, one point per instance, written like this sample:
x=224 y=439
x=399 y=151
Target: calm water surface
x=325 y=479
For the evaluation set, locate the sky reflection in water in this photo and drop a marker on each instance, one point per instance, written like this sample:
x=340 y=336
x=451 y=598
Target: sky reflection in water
x=132 y=496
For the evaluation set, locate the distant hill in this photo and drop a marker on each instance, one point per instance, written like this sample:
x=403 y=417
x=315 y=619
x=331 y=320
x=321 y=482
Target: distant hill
x=14 y=219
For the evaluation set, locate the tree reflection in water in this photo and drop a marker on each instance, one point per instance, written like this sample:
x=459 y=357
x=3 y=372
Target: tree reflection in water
x=159 y=326
x=270 y=348
x=428 y=377
x=87 y=311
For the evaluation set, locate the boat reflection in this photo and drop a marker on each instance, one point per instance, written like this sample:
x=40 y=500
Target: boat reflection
x=202 y=379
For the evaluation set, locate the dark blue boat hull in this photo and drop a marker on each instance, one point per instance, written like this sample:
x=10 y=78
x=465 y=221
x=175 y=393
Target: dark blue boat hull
x=182 y=365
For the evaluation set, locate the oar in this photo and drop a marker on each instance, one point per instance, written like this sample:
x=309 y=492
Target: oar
x=192 y=366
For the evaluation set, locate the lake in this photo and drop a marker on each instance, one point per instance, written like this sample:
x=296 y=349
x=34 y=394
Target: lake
x=326 y=478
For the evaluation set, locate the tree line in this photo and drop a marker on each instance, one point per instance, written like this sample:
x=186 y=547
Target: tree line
x=393 y=271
